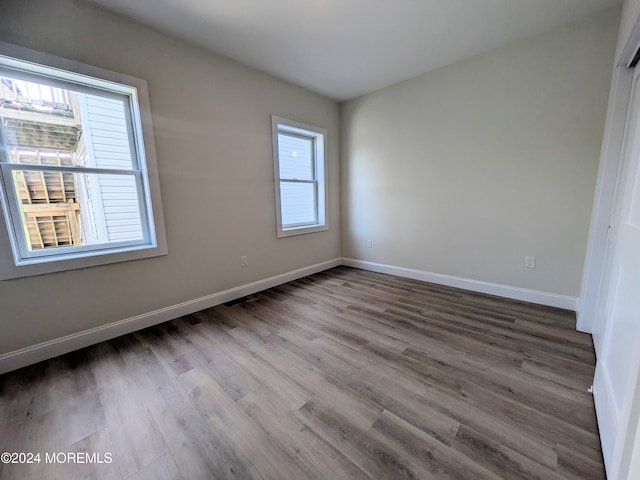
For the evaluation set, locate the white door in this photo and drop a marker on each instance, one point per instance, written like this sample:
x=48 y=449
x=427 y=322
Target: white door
x=619 y=359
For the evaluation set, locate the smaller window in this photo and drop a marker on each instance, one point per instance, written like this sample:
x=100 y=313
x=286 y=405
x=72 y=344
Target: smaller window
x=300 y=173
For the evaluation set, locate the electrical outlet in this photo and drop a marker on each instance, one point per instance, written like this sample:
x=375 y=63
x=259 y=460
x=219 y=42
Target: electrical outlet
x=369 y=244
x=530 y=262
x=243 y=261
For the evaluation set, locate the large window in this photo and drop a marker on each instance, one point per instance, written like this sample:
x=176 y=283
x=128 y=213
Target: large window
x=78 y=176
x=299 y=165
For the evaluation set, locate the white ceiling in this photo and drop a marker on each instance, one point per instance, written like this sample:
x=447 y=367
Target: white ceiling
x=346 y=48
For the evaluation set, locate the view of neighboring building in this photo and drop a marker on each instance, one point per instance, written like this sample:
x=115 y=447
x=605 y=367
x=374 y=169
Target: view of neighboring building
x=47 y=126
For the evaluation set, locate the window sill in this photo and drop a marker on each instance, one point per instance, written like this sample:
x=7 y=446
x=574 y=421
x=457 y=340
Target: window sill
x=27 y=268
x=290 y=232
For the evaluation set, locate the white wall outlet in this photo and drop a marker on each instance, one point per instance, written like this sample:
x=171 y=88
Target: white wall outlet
x=243 y=261
x=369 y=244
x=530 y=262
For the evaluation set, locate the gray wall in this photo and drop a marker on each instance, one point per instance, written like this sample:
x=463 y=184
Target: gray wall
x=466 y=170
x=213 y=137
x=630 y=12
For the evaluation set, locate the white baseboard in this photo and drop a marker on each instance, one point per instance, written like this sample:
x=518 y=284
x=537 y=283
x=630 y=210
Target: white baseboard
x=59 y=346
x=506 y=291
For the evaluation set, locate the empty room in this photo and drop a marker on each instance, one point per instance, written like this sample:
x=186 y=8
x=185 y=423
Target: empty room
x=319 y=239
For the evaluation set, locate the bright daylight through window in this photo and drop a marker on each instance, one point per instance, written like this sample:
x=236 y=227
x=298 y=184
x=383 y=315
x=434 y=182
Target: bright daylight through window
x=299 y=165
x=74 y=172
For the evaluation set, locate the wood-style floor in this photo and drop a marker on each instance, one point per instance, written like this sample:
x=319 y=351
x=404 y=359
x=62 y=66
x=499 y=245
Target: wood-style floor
x=345 y=374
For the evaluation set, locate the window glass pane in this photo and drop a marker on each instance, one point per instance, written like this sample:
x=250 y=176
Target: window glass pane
x=298 y=203
x=63 y=209
x=295 y=154
x=49 y=125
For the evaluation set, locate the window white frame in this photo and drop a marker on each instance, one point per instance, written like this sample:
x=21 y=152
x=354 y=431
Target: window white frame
x=318 y=137
x=15 y=260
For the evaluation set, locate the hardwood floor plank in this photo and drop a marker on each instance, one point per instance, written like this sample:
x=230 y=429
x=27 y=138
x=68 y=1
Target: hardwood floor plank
x=33 y=434
x=345 y=374
x=502 y=338
x=296 y=367
x=136 y=438
x=439 y=460
x=355 y=442
x=559 y=370
x=81 y=417
x=501 y=460
x=290 y=392
x=199 y=450
x=572 y=465
x=340 y=351
x=406 y=405
x=456 y=408
x=164 y=468
x=563 y=319
x=417 y=330
x=565 y=405
x=300 y=442
x=245 y=436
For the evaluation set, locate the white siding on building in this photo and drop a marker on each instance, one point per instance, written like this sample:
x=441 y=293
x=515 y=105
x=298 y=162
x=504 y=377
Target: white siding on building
x=105 y=131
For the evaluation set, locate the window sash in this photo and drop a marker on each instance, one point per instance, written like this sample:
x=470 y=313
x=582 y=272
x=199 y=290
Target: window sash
x=13 y=67
x=315 y=204
x=312 y=141
x=25 y=254
x=103 y=88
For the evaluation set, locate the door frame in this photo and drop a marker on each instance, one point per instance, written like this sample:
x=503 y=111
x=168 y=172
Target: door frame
x=606 y=187
x=608 y=183
x=614 y=401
